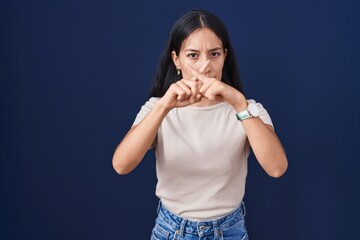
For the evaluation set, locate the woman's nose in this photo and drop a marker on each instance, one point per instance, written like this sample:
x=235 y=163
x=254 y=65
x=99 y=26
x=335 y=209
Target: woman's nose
x=205 y=67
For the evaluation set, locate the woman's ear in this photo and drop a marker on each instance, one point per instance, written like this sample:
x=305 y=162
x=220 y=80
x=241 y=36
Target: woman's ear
x=225 y=52
x=175 y=59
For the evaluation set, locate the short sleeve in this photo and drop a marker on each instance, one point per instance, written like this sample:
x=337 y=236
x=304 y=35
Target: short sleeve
x=264 y=115
x=145 y=109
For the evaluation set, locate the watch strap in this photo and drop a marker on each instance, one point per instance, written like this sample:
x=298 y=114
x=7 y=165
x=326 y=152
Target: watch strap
x=243 y=115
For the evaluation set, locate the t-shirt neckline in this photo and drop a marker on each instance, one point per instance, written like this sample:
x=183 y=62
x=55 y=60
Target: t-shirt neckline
x=205 y=108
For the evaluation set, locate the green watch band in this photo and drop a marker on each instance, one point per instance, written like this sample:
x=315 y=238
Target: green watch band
x=243 y=115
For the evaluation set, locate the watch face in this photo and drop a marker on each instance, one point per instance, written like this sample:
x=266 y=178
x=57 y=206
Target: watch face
x=254 y=110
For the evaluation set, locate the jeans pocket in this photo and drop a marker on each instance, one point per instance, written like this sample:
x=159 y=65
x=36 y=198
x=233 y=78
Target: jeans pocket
x=176 y=236
x=221 y=237
x=246 y=237
x=236 y=231
x=159 y=233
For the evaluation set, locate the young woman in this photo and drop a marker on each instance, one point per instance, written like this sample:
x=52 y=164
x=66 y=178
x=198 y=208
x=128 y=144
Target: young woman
x=202 y=127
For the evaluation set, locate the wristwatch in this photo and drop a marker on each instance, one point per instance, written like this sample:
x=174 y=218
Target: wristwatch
x=251 y=111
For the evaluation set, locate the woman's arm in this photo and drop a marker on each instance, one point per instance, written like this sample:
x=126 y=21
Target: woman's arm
x=138 y=140
x=263 y=140
x=265 y=144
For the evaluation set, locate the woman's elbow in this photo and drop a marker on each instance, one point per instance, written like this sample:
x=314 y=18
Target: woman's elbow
x=121 y=171
x=119 y=168
x=279 y=170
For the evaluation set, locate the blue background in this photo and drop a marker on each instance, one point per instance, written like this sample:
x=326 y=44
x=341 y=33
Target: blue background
x=75 y=73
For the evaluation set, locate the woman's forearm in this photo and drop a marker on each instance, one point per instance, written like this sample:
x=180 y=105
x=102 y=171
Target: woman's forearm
x=264 y=143
x=266 y=147
x=138 y=140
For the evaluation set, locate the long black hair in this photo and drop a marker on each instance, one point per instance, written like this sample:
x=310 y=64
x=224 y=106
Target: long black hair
x=166 y=73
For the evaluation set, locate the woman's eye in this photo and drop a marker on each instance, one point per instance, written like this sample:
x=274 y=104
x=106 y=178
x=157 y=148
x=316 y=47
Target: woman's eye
x=192 y=55
x=215 y=54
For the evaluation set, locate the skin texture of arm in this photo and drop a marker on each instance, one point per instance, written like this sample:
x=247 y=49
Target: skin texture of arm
x=138 y=140
x=263 y=140
x=265 y=144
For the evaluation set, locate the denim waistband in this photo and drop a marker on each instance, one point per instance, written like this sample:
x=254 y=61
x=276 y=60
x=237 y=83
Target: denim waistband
x=183 y=225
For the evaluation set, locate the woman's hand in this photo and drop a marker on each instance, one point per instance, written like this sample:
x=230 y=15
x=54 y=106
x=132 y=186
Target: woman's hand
x=186 y=92
x=216 y=90
x=182 y=93
x=262 y=138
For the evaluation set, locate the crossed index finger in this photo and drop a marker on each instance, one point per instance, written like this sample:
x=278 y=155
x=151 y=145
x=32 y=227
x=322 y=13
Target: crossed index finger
x=198 y=75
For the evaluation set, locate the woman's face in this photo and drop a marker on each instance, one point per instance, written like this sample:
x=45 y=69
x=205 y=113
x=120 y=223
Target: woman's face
x=203 y=51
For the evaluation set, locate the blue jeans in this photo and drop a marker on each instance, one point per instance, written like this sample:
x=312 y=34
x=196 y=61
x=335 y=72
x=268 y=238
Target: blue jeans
x=169 y=226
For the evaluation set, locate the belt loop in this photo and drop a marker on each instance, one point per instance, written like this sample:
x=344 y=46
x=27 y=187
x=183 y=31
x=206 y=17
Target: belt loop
x=216 y=229
x=159 y=206
x=182 y=227
x=243 y=208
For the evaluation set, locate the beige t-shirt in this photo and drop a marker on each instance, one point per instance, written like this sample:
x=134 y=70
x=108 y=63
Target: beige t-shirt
x=201 y=159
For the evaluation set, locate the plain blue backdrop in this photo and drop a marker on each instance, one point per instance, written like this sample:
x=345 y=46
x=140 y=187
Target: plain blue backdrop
x=75 y=73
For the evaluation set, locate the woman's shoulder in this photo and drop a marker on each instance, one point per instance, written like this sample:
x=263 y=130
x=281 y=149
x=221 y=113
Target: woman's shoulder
x=255 y=102
x=150 y=103
x=153 y=99
x=263 y=113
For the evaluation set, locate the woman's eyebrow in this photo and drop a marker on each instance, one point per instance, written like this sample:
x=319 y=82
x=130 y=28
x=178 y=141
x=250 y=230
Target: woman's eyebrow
x=195 y=50
x=191 y=50
x=215 y=49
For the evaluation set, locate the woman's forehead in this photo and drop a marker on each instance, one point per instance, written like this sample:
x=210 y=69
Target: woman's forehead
x=201 y=38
